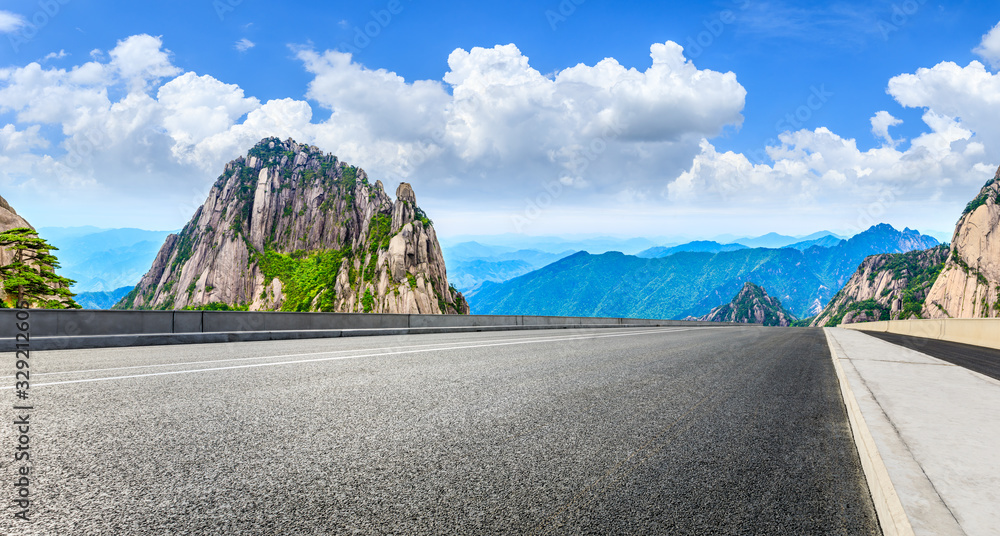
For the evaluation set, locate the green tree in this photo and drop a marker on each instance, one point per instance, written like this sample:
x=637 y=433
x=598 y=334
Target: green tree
x=30 y=277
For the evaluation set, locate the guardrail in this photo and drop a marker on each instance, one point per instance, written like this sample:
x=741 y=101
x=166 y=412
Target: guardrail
x=975 y=331
x=64 y=329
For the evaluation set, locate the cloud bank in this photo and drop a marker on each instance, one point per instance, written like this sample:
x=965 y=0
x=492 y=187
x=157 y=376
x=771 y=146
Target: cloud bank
x=130 y=131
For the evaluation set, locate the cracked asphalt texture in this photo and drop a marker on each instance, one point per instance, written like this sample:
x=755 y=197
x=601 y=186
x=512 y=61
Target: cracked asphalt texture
x=652 y=431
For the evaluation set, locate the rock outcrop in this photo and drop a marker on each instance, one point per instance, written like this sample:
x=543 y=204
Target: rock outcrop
x=970 y=282
x=9 y=220
x=291 y=228
x=752 y=306
x=886 y=287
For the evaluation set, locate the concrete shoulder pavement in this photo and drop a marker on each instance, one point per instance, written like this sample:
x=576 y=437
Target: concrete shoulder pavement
x=927 y=432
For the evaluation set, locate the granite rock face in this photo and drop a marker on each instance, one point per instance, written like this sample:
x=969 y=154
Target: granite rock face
x=892 y=286
x=9 y=220
x=291 y=228
x=970 y=282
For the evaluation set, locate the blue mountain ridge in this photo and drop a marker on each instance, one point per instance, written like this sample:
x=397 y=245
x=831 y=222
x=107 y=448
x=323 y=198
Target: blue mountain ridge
x=690 y=283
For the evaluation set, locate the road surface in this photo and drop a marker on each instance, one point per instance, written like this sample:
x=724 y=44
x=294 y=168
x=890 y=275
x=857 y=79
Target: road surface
x=985 y=361
x=631 y=431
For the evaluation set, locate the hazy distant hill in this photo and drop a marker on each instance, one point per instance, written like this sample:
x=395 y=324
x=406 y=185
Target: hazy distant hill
x=470 y=264
x=827 y=241
x=103 y=260
x=729 y=243
x=101 y=300
x=553 y=244
x=681 y=285
x=689 y=283
x=698 y=246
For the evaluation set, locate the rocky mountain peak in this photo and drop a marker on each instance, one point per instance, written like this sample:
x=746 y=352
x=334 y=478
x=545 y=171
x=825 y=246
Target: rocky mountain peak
x=752 y=305
x=289 y=227
x=9 y=218
x=405 y=193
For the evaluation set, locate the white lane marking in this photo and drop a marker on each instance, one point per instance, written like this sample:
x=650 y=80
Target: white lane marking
x=337 y=358
x=228 y=360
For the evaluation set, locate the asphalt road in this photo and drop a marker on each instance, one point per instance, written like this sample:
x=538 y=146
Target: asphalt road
x=641 y=431
x=985 y=361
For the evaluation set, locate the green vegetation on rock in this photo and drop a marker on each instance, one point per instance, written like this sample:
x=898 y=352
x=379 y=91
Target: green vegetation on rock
x=872 y=310
x=304 y=277
x=917 y=270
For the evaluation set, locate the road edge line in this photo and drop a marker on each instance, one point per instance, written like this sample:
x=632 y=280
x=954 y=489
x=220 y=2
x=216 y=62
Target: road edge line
x=891 y=516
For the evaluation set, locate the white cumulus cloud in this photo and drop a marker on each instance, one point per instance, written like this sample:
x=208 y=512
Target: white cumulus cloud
x=881 y=122
x=142 y=60
x=133 y=135
x=504 y=126
x=989 y=47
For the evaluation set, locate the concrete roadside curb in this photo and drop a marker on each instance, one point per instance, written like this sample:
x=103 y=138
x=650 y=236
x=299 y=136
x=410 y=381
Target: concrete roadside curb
x=891 y=516
x=161 y=339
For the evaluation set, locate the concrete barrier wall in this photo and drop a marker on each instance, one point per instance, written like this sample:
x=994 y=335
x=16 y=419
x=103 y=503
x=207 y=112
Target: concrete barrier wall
x=72 y=328
x=976 y=331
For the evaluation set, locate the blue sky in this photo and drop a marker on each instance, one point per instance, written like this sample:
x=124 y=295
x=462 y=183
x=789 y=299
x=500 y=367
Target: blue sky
x=690 y=154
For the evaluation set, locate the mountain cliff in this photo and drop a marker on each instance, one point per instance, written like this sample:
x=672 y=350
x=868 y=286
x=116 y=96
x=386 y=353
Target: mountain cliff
x=752 y=306
x=291 y=228
x=886 y=287
x=9 y=220
x=970 y=281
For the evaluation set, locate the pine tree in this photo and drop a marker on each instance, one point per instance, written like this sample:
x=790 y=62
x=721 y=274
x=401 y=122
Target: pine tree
x=30 y=277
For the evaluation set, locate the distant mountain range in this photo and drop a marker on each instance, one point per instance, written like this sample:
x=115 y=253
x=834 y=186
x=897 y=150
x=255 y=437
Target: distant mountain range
x=698 y=246
x=101 y=300
x=775 y=240
x=553 y=244
x=470 y=264
x=491 y=259
x=103 y=260
x=770 y=240
x=689 y=283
